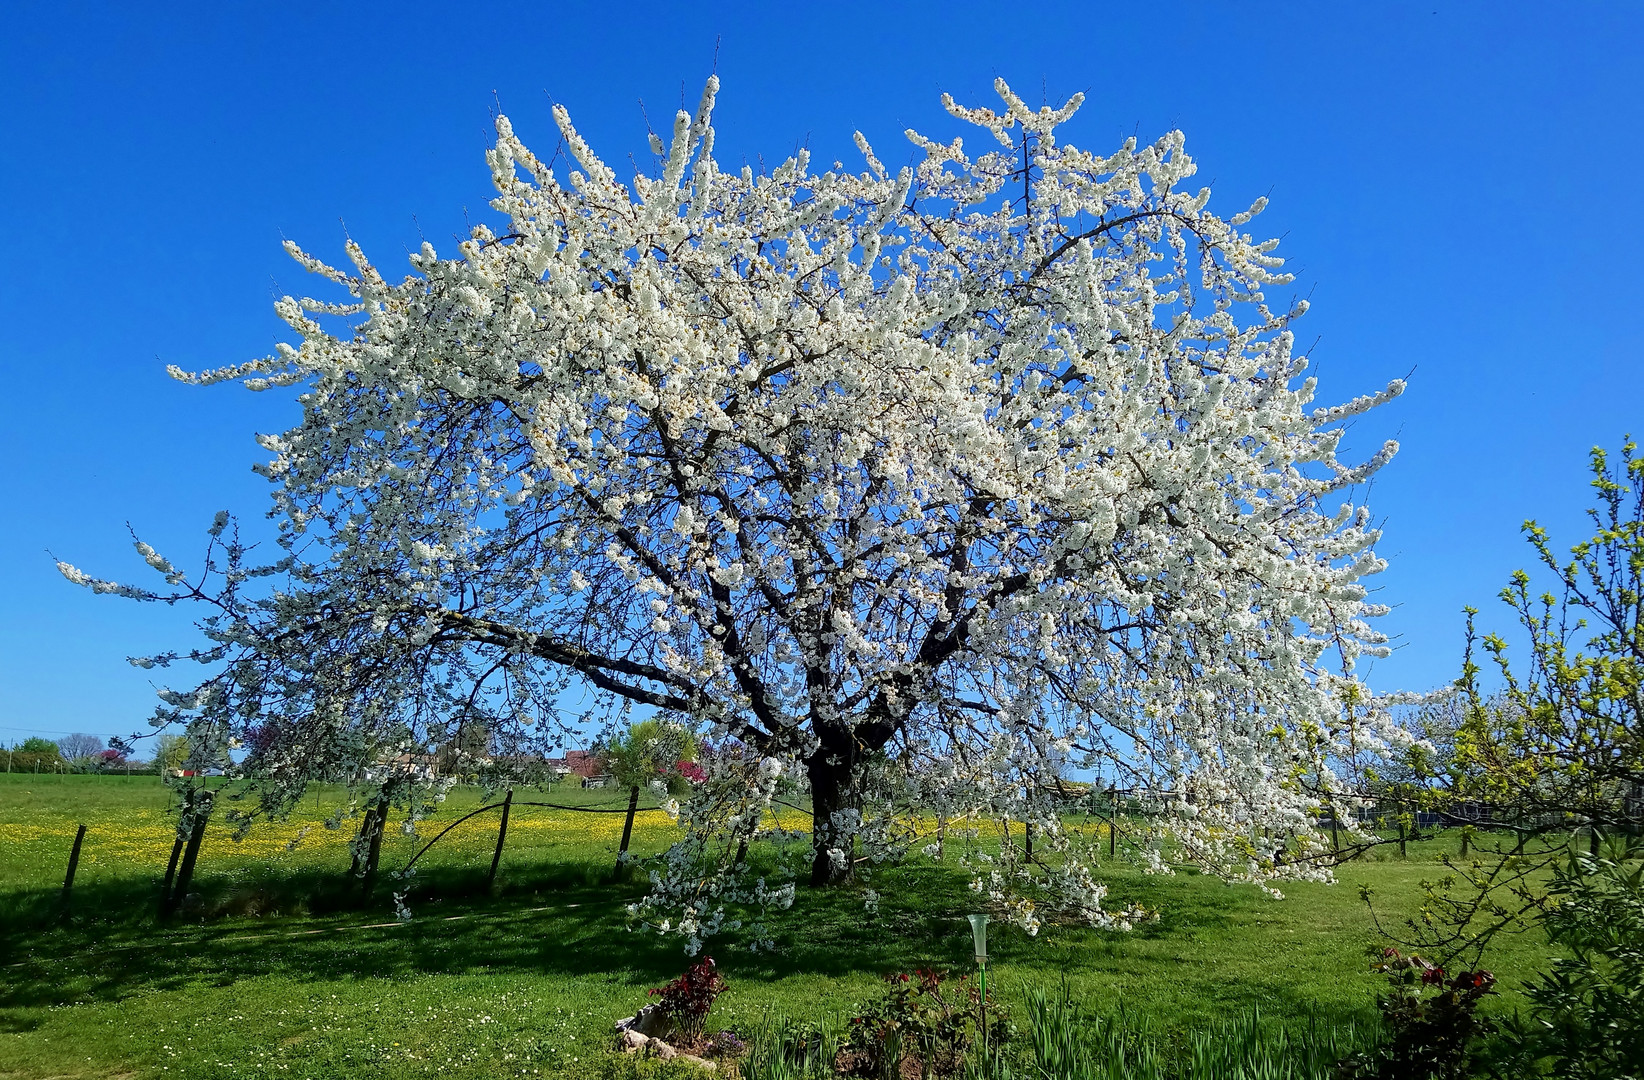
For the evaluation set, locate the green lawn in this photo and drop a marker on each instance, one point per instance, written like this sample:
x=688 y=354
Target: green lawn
x=528 y=982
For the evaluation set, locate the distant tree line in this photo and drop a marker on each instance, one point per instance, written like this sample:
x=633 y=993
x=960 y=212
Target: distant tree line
x=82 y=753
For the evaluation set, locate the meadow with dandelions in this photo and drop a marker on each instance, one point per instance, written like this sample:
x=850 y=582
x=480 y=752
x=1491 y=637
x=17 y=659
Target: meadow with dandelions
x=281 y=969
x=130 y=829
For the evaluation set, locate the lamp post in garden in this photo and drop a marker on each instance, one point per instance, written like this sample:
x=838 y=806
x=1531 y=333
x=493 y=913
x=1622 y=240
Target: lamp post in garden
x=979 y=936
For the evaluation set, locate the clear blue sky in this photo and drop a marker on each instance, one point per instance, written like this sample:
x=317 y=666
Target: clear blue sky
x=1456 y=184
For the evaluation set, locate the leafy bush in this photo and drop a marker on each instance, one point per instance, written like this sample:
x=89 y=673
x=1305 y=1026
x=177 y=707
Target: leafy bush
x=907 y=1034
x=1586 y=1017
x=687 y=1000
x=29 y=761
x=922 y=1025
x=1431 y=1022
x=925 y=1021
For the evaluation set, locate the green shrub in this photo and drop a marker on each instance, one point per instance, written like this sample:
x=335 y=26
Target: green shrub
x=1586 y=1016
x=1430 y=1021
x=29 y=761
x=924 y=1020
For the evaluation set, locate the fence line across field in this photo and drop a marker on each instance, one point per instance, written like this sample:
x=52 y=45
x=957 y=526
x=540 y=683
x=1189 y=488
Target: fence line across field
x=1122 y=803
x=508 y=803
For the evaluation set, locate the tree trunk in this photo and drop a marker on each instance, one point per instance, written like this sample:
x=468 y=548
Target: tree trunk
x=831 y=791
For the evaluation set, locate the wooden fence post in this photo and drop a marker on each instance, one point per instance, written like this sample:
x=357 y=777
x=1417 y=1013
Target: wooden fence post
x=185 y=872
x=502 y=835
x=1113 y=826
x=176 y=853
x=171 y=874
x=1335 y=837
x=356 y=863
x=627 y=827
x=378 y=825
x=74 y=863
x=941 y=836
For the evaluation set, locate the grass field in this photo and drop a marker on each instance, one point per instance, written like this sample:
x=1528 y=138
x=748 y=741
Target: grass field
x=291 y=978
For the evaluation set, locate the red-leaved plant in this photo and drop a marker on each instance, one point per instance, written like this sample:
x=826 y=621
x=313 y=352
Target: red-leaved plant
x=924 y=1023
x=1430 y=1021
x=686 y=1001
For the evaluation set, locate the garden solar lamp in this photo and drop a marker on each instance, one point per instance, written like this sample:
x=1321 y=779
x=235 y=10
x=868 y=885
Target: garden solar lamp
x=979 y=935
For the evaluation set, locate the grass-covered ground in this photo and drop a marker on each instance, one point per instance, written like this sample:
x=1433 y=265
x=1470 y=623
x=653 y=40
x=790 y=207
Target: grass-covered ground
x=527 y=982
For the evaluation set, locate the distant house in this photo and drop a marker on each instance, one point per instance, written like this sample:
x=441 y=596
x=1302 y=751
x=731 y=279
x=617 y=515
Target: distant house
x=583 y=763
x=417 y=766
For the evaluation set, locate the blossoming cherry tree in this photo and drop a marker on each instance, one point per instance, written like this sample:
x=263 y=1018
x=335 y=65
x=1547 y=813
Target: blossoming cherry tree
x=925 y=486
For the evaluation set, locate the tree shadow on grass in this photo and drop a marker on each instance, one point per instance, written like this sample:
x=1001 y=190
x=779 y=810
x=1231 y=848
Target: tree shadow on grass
x=548 y=920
